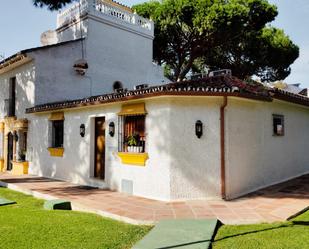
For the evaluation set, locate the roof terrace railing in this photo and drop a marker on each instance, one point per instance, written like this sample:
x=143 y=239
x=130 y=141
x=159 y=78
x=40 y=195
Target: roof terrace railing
x=102 y=8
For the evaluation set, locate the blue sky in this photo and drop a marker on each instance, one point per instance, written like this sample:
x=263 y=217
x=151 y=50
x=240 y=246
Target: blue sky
x=22 y=24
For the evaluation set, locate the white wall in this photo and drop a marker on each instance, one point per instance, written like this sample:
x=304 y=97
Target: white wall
x=254 y=157
x=76 y=166
x=180 y=165
x=195 y=163
x=115 y=51
x=25 y=77
x=56 y=79
x=115 y=54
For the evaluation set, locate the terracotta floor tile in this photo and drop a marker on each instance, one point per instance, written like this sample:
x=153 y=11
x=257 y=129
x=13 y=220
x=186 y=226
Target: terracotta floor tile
x=267 y=205
x=164 y=217
x=206 y=216
x=164 y=212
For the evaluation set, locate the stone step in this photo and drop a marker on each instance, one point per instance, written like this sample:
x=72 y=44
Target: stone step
x=5 y=202
x=184 y=234
x=57 y=205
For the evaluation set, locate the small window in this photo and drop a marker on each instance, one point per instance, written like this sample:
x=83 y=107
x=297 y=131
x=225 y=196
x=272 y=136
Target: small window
x=132 y=133
x=57 y=133
x=278 y=125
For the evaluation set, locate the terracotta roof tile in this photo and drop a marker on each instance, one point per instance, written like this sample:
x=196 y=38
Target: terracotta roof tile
x=220 y=85
x=209 y=86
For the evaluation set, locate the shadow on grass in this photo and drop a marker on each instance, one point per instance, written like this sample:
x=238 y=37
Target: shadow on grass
x=302 y=223
x=255 y=231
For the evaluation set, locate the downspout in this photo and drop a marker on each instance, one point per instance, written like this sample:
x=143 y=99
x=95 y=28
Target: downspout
x=222 y=145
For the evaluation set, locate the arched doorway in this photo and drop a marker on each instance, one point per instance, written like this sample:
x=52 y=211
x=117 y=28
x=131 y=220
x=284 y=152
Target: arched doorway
x=10 y=152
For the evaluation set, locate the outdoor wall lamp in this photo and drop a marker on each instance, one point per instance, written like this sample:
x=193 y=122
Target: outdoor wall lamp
x=82 y=130
x=199 y=129
x=111 y=129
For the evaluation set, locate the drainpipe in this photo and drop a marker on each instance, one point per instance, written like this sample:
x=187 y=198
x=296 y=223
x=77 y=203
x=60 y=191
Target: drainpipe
x=222 y=144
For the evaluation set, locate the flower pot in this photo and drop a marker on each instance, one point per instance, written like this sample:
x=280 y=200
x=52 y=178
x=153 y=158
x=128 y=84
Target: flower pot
x=130 y=149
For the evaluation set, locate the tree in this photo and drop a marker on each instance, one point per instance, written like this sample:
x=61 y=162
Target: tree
x=191 y=35
x=52 y=4
x=267 y=54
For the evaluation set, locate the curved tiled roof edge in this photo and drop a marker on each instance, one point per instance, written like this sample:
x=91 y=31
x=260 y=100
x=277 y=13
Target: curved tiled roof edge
x=289 y=97
x=209 y=86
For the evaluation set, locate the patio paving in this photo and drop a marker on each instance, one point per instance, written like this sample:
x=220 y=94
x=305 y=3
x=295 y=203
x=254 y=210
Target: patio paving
x=275 y=203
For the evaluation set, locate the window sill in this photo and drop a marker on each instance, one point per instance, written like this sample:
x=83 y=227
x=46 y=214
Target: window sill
x=56 y=152
x=138 y=159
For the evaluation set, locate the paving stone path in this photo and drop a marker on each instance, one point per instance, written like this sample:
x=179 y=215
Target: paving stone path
x=276 y=203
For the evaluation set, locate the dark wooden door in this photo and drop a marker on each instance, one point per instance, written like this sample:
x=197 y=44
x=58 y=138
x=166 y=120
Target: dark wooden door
x=10 y=152
x=99 y=164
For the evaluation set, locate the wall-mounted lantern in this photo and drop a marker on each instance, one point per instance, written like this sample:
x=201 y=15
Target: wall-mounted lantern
x=199 y=129
x=111 y=129
x=82 y=130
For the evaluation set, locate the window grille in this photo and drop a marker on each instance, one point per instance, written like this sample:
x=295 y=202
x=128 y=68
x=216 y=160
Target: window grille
x=132 y=136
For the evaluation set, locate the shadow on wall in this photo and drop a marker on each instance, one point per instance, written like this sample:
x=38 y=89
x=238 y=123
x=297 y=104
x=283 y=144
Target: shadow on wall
x=160 y=144
x=73 y=166
x=74 y=32
x=25 y=83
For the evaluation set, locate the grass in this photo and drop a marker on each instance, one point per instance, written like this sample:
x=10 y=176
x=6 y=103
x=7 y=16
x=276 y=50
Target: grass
x=293 y=234
x=27 y=225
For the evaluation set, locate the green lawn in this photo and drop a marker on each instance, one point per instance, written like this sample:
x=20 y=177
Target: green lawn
x=27 y=225
x=293 y=234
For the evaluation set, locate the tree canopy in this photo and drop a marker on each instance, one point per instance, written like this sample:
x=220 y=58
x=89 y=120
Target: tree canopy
x=192 y=36
x=52 y=4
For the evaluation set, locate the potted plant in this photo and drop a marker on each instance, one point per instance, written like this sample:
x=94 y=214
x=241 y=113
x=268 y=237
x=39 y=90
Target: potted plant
x=132 y=142
x=138 y=148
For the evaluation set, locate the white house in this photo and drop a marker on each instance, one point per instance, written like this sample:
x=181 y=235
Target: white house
x=209 y=138
x=98 y=47
x=216 y=137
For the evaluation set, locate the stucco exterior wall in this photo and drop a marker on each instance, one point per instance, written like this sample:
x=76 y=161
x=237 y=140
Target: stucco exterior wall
x=112 y=53
x=254 y=157
x=195 y=163
x=25 y=80
x=118 y=54
x=180 y=166
x=56 y=79
x=78 y=161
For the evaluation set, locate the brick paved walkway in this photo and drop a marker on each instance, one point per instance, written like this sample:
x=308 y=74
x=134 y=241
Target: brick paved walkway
x=275 y=203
